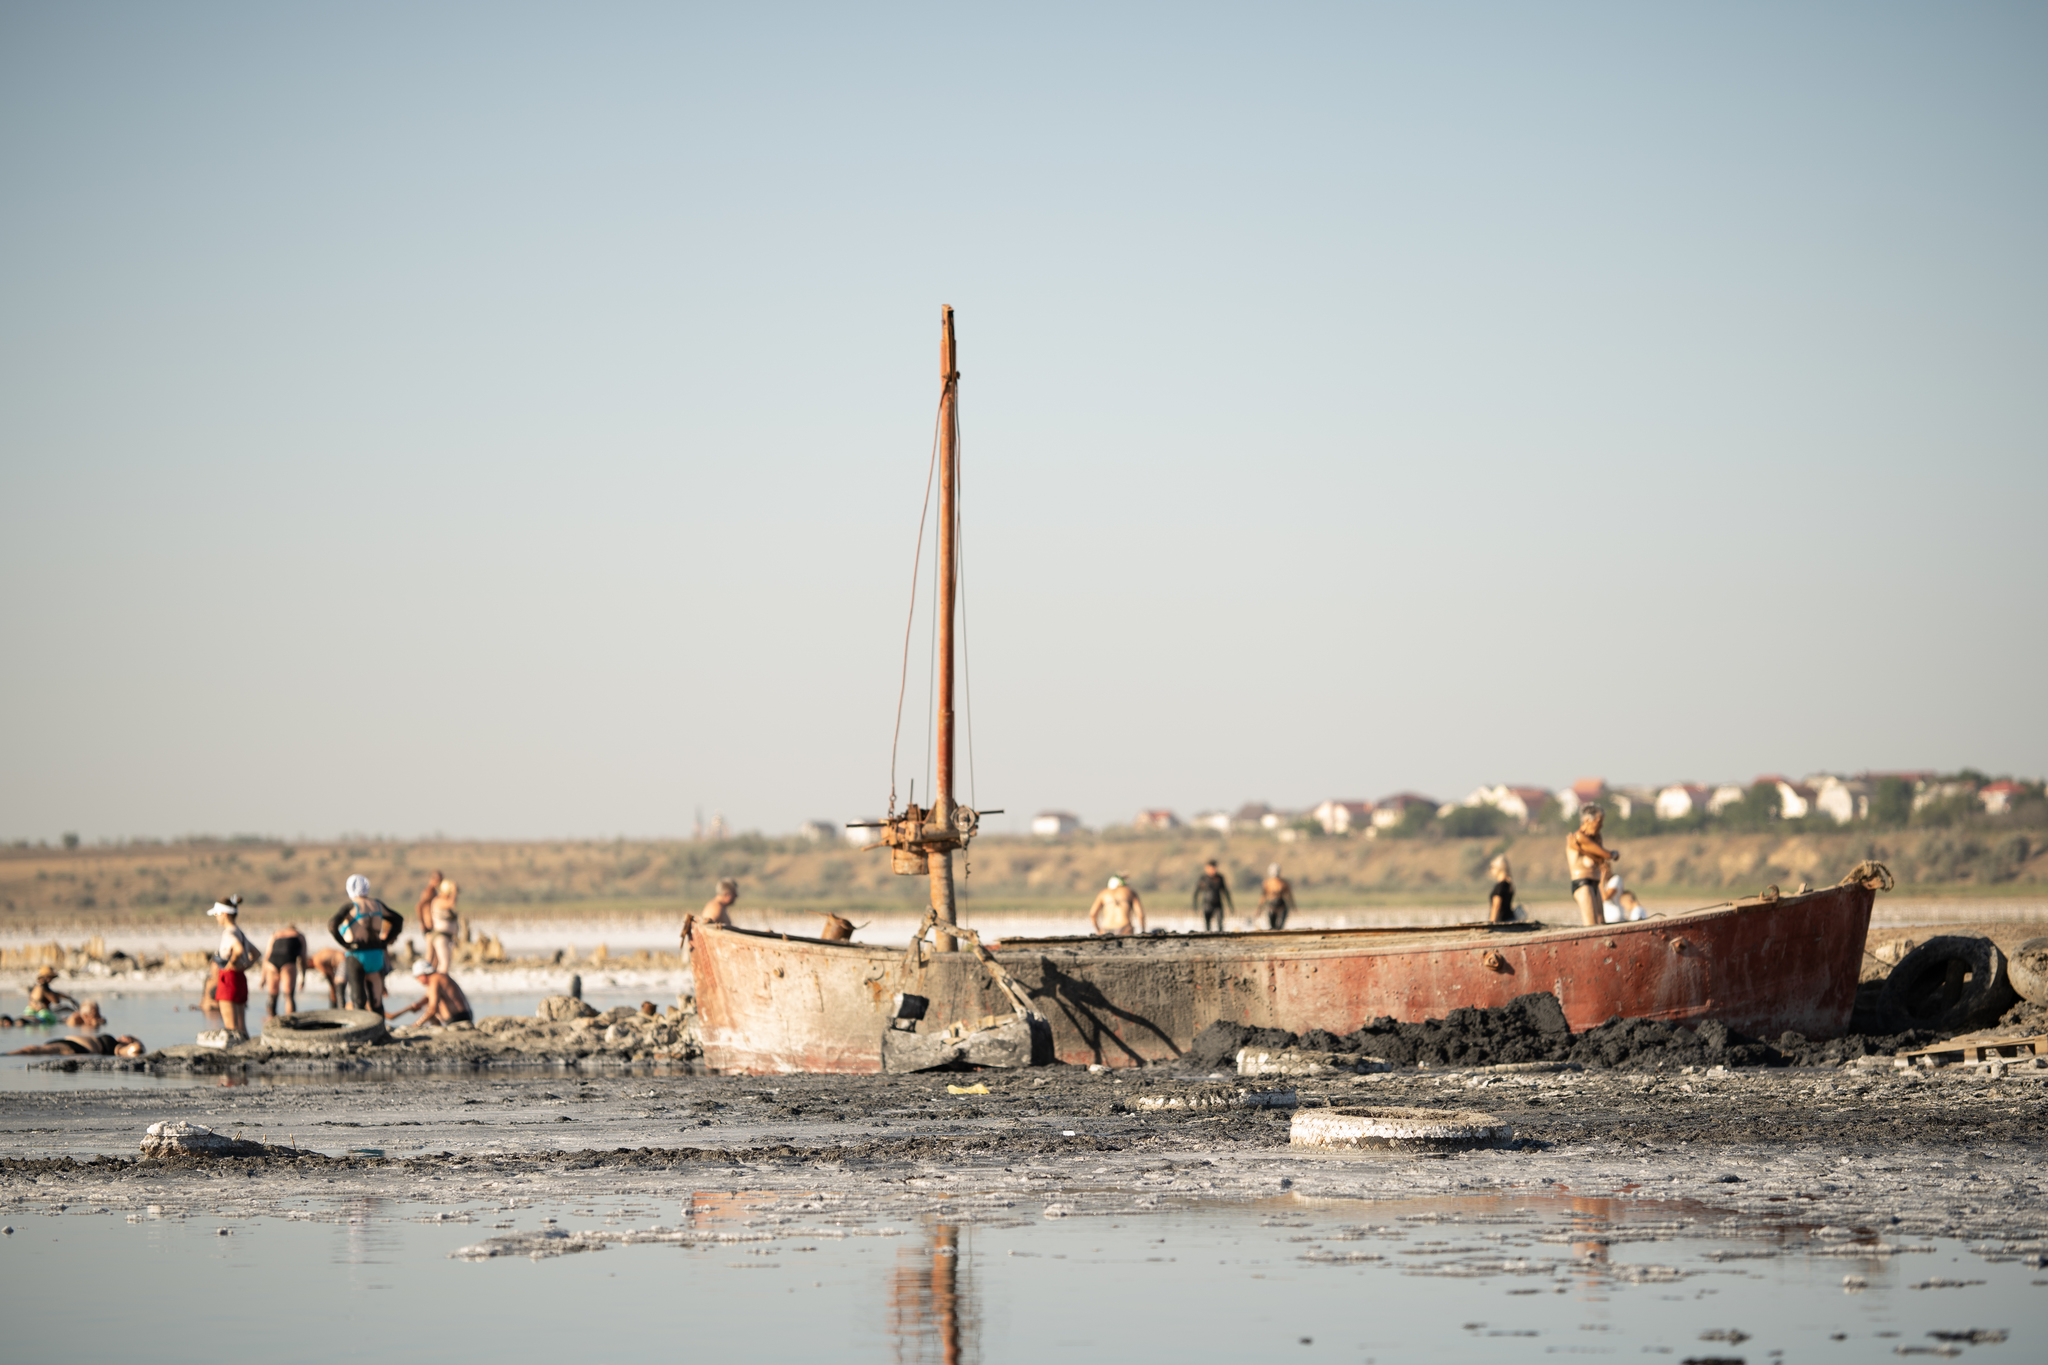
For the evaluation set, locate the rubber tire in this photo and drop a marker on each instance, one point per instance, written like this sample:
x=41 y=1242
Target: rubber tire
x=1918 y=995
x=1398 y=1129
x=324 y=1028
x=2028 y=972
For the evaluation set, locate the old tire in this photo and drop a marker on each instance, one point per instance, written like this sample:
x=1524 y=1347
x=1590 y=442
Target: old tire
x=1952 y=984
x=1399 y=1130
x=2027 y=969
x=323 y=1028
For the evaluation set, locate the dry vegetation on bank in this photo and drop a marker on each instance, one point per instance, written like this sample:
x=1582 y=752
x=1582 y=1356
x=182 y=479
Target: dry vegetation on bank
x=139 y=883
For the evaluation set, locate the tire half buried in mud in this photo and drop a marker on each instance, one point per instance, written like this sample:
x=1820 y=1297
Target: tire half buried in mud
x=1398 y=1130
x=1954 y=983
x=323 y=1028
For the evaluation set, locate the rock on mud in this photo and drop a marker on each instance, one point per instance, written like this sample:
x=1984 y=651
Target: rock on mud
x=557 y=1008
x=1398 y=1129
x=175 y=1137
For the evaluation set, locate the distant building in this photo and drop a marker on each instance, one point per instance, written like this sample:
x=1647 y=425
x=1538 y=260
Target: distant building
x=817 y=831
x=1997 y=797
x=1795 y=800
x=1585 y=792
x=1341 y=817
x=1844 y=799
x=859 y=835
x=1053 y=823
x=1251 y=815
x=1156 y=819
x=1519 y=803
x=1725 y=795
x=1928 y=790
x=1682 y=799
x=1212 y=819
x=1390 y=812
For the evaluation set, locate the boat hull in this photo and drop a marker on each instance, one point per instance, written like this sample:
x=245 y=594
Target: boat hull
x=779 y=1003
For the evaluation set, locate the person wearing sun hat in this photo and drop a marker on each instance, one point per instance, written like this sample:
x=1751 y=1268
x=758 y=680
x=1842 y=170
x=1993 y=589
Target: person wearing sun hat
x=43 y=998
x=231 y=982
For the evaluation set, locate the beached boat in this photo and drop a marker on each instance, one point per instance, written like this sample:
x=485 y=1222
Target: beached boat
x=772 y=1002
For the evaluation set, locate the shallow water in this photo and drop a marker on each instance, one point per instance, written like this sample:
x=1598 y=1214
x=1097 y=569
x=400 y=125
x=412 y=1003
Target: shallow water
x=159 y=1019
x=826 y=1276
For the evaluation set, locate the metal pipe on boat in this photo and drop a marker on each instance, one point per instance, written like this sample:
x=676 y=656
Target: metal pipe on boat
x=941 y=864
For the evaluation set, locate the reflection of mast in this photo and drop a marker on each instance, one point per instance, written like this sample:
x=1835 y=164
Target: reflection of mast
x=929 y=1303
x=945 y=1291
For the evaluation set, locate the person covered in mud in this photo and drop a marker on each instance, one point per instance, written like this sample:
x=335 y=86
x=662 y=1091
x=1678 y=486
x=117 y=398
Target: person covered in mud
x=1276 y=898
x=443 y=1003
x=84 y=1045
x=330 y=964
x=281 y=968
x=1500 y=902
x=1587 y=859
x=442 y=925
x=364 y=927
x=45 y=998
x=236 y=955
x=87 y=1016
x=1212 y=897
x=1117 y=909
x=718 y=910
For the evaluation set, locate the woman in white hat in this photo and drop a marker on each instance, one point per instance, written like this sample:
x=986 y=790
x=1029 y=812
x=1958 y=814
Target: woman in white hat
x=231 y=982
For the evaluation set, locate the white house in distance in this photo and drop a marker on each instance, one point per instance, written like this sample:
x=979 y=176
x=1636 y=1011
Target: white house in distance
x=1520 y=803
x=858 y=832
x=1052 y=823
x=1217 y=820
x=1681 y=799
x=1726 y=795
x=1341 y=817
x=1156 y=819
x=817 y=831
x=1842 y=798
x=1996 y=797
x=1390 y=812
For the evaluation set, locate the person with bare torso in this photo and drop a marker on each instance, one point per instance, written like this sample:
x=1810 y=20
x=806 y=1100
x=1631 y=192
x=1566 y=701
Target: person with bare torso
x=718 y=910
x=1276 y=898
x=1117 y=909
x=1587 y=859
x=443 y=1003
x=438 y=917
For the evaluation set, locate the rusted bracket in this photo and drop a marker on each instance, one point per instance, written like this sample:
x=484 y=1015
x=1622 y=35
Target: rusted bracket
x=913 y=959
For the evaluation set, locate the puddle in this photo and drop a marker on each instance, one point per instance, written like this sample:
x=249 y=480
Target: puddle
x=159 y=1019
x=1013 y=1277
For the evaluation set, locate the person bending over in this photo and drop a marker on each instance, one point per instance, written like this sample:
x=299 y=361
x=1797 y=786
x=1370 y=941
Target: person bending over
x=443 y=1003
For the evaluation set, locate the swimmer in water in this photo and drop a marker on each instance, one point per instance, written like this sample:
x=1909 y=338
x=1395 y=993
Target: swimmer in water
x=88 y=1016
x=718 y=910
x=1117 y=909
x=44 y=996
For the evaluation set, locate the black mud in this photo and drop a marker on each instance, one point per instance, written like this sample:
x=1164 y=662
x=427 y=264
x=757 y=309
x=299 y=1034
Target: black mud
x=1532 y=1028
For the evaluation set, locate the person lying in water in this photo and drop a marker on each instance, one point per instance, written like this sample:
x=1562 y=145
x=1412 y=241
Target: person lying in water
x=443 y=1003
x=88 y=1016
x=93 y=1045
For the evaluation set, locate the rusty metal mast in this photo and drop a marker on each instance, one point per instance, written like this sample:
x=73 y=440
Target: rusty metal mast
x=943 y=804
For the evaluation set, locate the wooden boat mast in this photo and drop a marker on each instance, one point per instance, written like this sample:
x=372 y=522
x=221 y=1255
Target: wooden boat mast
x=943 y=804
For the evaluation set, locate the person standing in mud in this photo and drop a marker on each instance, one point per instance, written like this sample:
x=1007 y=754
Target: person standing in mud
x=1587 y=859
x=1212 y=897
x=441 y=923
x=286 y=958
x=236 y=954
x=362 y=927
x=1117 y=909
x=1276 y=898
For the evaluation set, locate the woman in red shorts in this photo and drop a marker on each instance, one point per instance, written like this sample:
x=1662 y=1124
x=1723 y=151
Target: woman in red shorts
x=237 y=954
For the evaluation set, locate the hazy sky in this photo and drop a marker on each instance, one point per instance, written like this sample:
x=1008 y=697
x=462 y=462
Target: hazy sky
x=511 y=420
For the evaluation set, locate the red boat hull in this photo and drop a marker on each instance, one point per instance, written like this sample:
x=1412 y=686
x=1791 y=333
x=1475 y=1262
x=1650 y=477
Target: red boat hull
x=776 y=1003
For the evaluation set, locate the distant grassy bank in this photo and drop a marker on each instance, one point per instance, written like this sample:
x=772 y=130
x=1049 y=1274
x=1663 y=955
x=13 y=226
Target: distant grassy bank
x=161 y=883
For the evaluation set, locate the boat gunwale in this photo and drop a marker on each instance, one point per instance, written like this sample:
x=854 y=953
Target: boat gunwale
x=1296 y=943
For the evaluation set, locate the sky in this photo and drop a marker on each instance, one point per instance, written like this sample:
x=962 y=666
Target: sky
x=511 y=421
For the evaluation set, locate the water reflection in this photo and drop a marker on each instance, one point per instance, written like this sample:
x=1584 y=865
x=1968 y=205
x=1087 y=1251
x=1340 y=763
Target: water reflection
x=931 y=1301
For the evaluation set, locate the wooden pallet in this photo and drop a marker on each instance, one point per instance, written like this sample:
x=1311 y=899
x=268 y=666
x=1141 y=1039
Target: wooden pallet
x=1979 y=1049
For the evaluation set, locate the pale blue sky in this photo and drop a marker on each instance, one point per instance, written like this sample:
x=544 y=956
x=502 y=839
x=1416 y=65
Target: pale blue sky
x=510 y=420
